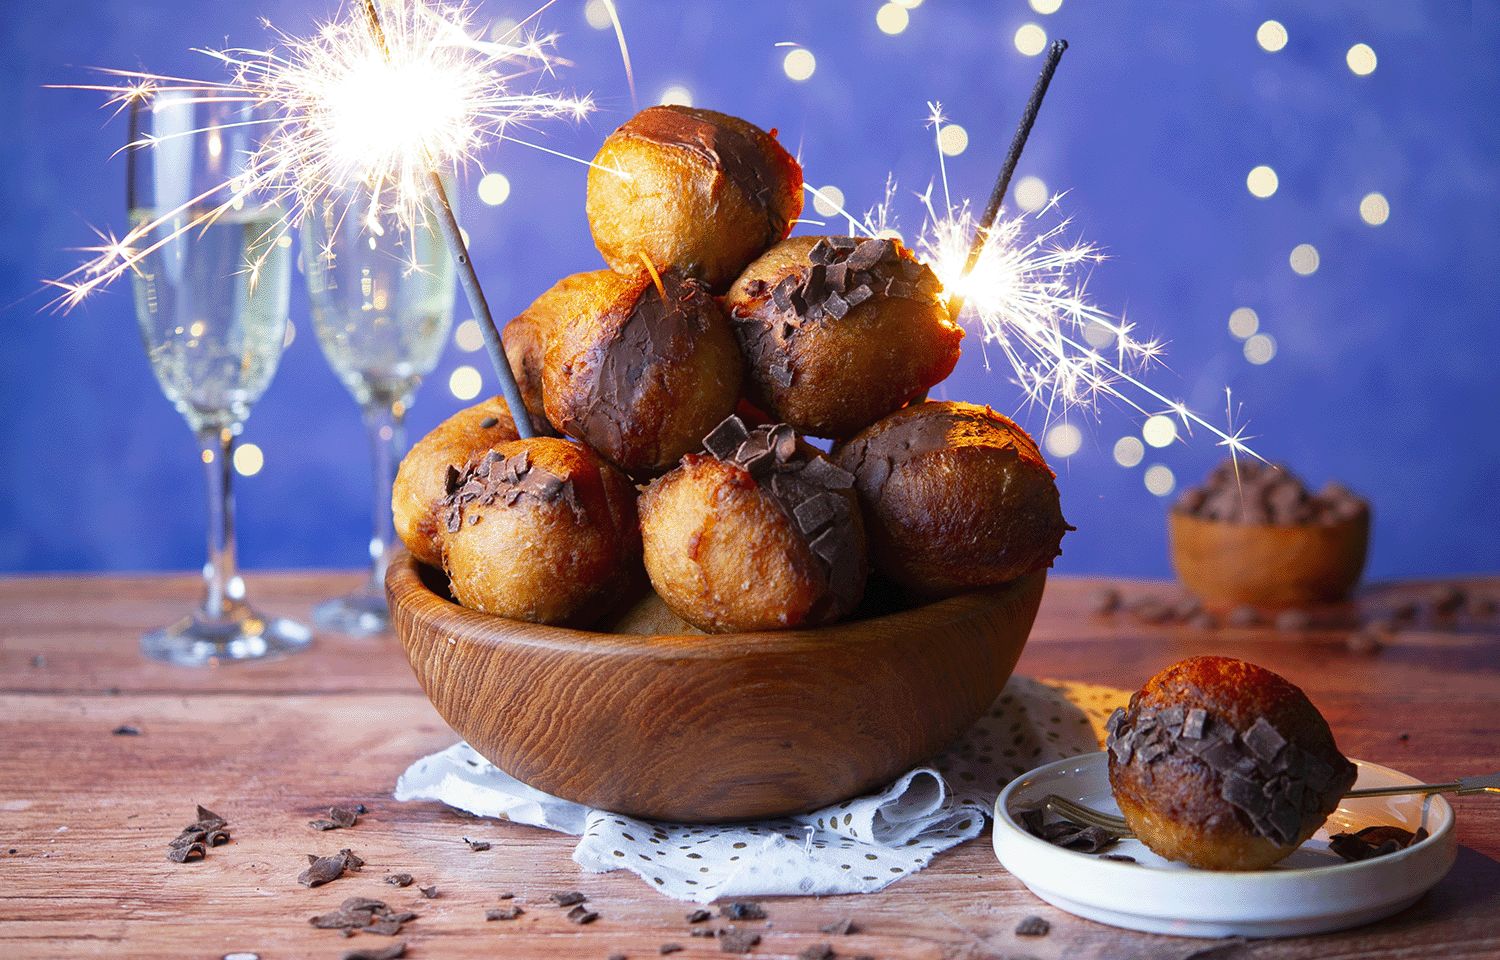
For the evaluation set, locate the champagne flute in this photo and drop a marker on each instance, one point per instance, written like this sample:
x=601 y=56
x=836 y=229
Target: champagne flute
x=211 y=302
x=382 y=302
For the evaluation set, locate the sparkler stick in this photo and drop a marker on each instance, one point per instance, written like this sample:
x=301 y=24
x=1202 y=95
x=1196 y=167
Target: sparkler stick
x=986 y=220
x=467 y=277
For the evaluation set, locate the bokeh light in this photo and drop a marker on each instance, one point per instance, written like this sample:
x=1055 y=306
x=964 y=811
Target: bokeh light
x=494 y=188
x=1045 y=7
x=892 y=18
x=1361 y=59
x=1030 y=193
x=1271 y=36
x=676 y=95
x=468 y=336
x=1031 y=39
x=465 y=382
x=1374 y=209
x=1260 y=348
x=1159 y=430
x=1129 y=451
x=248 y=459
x=799 y=64
x=1244 y=322
x=597 y=14
x=953 y=139
x=1063 y=440
x=1305 y=259
x=828 y=201
x=1262 y=181
x=1160 y=480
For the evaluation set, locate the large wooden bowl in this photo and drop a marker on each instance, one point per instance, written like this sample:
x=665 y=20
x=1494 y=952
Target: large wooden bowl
x=657 y=721
x=1262 y=565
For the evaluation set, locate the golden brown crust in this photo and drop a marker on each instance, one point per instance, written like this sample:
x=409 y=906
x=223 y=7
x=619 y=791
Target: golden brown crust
x=832 y=376
x=1175 y=801
x=698 y=191
x=526 y=336
x=638 y=379
x=726 y=557
x=418 y=489
x=566 y=555
x=956 y=497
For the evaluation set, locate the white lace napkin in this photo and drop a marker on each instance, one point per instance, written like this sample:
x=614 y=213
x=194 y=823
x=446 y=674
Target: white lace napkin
x=857 y=846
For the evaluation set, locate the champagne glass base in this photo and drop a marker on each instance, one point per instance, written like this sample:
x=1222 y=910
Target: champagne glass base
x=362 y=613
x=195 y=641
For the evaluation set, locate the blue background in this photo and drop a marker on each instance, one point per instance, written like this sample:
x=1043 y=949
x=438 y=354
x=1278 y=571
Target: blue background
x=1386 y=371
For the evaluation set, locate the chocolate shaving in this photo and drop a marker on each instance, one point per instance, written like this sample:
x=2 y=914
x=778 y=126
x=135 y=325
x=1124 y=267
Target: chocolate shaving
x=478 y=846
x=429 y=892
x=1275 y=785
x=493 y=478
x=733 y=940
x=126 y=730
x=568 y=898
x=192 y=843
x=742 y=910
x=1033 y=926
x=503 y=913
x=698 y=916
x=338 y=818
x=667 y=948
x=1374 y=842
x=323 y=870
x=391 y=952
x=398 y=879
x=804 y=485
x=582 y=915
x=839 y=928
x=365 y=915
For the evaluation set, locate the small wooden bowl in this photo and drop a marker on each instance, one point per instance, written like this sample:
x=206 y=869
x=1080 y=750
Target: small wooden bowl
x=664 y=724
x=1261 y=565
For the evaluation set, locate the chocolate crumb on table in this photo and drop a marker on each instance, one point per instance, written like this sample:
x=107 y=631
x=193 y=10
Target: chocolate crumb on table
x=568 y=898
x=818 y=951
x=398 y=879
x=839 y=928
x=429 y=892
x=395 y=950
x=323 y=870
x=742 y=910
x=126 y=730
x=698 y=916
x=192 y=843
x=339 y=818
x=477 y=846
x=1033 y=926
x=667 y=948
x=734 y=940
x=581 y=915
x=503 y=913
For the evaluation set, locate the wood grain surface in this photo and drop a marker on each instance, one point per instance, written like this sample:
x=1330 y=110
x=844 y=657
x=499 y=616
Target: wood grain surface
x=706 y=729
x=269 y=746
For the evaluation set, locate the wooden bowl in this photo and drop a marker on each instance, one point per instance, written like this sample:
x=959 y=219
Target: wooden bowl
x=663 y=723
x=1260 y=565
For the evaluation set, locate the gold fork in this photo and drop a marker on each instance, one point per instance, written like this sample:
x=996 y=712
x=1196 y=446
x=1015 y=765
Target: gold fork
x=1077 y=812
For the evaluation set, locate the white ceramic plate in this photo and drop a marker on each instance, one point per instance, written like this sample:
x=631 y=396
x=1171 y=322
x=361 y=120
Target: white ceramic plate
x=1312 y=891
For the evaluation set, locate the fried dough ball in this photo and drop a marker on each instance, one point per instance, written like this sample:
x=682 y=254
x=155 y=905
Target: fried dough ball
x=541 y=530
x=760 y=533
x=702 y=192
x=839 y=332
x=526 y=336
x=955 y=497
x=418 y=491
x=640 y=378
x=1224 y=765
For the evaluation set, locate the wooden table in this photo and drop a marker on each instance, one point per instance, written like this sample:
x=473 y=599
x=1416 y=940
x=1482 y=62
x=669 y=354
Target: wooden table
x=85 y=814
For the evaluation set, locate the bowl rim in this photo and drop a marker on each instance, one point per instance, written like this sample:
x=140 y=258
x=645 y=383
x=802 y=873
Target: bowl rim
x=406 y=590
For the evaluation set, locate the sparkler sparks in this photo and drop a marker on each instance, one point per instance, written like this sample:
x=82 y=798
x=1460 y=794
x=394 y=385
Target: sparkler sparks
x=348 y=105
x=1025 y=293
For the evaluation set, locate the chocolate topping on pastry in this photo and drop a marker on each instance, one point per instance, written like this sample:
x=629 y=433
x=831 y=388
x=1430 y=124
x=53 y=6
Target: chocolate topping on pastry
x=493 y=478
x=842 y=273
x=744 y=161
x=1273 y=783
x=803 y=485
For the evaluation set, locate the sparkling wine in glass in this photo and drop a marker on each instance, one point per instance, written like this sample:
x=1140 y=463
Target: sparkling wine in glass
x=211 y=297
x=382 y=302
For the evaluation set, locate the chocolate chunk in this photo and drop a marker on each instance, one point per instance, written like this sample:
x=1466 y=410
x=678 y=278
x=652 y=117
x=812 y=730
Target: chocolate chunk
x=503 y=913
x=742 y=910
x=582 y=915
x=1193 y=724
x=398 y=879
x=1033 y=926
x=726 y=438
x=568 y=898
x=732 y=940
x=1263 y=740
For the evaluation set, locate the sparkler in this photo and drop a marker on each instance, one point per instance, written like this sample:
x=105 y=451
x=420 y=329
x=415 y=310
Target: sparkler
x=1024 y=288
x=384 y=98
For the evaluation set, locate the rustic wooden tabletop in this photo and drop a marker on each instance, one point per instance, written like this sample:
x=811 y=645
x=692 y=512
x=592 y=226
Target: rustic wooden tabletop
x=86 y=813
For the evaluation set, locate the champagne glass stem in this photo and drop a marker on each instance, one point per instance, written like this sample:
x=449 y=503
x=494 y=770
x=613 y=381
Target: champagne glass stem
x=386 y=422
x=224 y=590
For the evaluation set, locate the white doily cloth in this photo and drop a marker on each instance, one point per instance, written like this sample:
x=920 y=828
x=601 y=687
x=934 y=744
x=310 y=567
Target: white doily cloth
x=857 y=846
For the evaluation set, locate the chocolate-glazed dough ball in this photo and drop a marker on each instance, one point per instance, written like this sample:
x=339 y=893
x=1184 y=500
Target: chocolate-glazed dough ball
x=955 y=496
x=640 y=378
x=702 y=192
x=541 y=530
x=419 y=488
x=1224 y=765
x=526 y=336
x=760 y=533
x=839 y=332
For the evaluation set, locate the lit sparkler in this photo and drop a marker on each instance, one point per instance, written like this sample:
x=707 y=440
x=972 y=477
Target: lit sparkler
x=379 y=98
